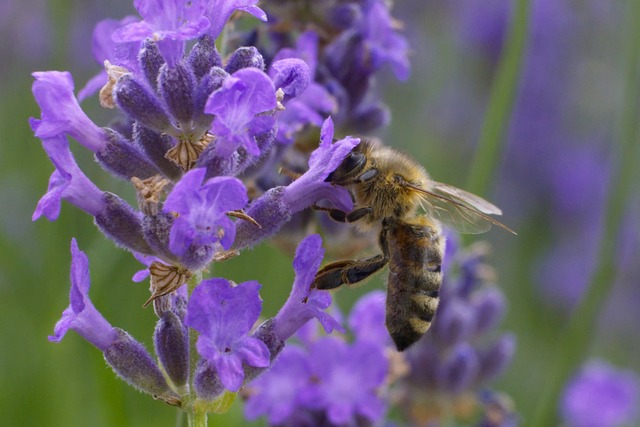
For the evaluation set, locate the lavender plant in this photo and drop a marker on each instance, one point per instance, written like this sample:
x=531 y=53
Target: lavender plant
x=207 y=113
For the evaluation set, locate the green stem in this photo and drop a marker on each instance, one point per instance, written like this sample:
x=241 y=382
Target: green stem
x=500 y=104
x=575 y=339
x=197 y=417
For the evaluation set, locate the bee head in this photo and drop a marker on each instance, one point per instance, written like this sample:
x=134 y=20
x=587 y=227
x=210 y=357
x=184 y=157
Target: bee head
x=349 y=168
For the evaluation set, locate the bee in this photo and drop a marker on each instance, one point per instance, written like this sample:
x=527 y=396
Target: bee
x=390 y=192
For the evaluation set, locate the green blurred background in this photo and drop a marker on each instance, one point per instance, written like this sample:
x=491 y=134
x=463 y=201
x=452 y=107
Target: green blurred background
x=68 y=384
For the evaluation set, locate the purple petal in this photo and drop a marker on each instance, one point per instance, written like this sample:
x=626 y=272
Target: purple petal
x=61 y=113
x=81 y=316
x=219 y=12
x=230 y=371
x=67 y=182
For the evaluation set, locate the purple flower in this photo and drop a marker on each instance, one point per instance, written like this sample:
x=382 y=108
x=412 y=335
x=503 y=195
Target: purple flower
x=61 y=113
x=367 y=319
x=170 y=23
x=237 y=106
x=384 y=43
x=81 y=316
x=219 y=12
x=348 y=379
x=280 y=392
x=601 y=396
x=202 y=210
x=67 y=182
x=303 y=303
x=311 y=187
x=224 y=314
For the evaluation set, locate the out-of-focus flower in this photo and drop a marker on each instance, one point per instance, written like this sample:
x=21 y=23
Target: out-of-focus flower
x=600 y=395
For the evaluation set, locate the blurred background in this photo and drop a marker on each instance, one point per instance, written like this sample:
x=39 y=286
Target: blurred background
x=571 y=112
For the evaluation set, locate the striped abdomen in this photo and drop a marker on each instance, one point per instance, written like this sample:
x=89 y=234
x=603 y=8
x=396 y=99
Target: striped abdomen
x=416 y=249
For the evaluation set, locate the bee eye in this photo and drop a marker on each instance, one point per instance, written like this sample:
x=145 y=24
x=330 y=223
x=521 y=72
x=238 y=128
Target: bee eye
x=352 y=161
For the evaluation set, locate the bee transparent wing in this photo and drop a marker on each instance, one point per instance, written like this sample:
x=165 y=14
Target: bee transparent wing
x=460 y=210
x=469 y=199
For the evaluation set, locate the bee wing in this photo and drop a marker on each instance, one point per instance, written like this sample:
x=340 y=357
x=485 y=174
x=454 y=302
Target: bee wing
x=460 y=210
x=469 y=199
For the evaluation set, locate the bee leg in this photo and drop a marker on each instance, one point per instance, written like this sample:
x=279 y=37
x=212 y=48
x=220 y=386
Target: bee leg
x=342 y=216
x=348 y=272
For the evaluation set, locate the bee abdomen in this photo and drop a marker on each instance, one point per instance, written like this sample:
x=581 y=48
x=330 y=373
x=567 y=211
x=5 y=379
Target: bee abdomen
x=409 y=312
x=414 y=281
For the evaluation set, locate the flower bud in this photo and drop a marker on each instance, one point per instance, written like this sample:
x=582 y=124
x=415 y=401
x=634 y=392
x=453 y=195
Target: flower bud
x=123 y=158
x=156 y=229
x=151 y=61
x=371 y=117
x=270 y=211
x=171 y=340
x=135 y=100
x=489 y=306
x=177 y=85
x=120 y=223
x=497 y=357
x=207 y=382
x=245 y=57
x=460 y=369
x=454 y=322
x=204 y=56
x=131 y=362
x=155 y=146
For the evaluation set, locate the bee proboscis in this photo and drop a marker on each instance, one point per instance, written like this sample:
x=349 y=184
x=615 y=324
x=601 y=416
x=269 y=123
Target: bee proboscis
x=390 y=190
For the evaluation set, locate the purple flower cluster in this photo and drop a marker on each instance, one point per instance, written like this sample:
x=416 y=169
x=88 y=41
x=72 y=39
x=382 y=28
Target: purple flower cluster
x=232 y=350
x=195 y=129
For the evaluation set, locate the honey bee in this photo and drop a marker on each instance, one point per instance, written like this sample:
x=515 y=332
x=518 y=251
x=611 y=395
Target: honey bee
x=390 y=190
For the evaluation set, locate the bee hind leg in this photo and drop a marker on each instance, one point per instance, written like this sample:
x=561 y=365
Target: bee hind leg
x=342 y=216
x=348 y=272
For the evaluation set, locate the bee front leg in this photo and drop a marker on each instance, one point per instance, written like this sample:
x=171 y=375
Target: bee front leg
x=342 y=216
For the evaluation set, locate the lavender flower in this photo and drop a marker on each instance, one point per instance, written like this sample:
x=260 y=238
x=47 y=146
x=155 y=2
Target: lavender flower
x=127 y=357
x=303 y=303
x=601 y=396
x=200 y=211
x=224 y=315
x=237 y=106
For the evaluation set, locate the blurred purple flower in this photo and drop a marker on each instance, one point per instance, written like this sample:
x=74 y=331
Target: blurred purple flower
x=224 y=314
x=367 y=319
x=601 y=396
x=202 y=209
x=280 y=393
x=348 y=379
